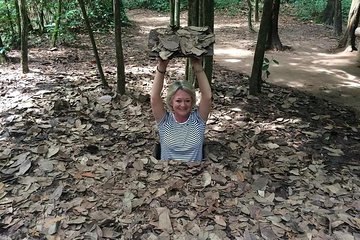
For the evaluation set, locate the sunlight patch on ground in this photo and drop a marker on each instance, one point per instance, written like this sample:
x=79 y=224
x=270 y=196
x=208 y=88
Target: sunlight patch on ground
x=334 y=62
x=339 y=74
x=294 y=84
x=352 y=84
x=229 y=25
x=160 y=19
x=233 y=60
x=291 y=64
x=232 y=52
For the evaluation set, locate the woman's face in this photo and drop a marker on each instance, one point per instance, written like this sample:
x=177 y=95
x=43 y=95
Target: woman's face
x=181 y=104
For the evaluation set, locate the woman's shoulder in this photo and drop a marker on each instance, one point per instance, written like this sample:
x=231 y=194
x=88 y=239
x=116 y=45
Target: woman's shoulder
x=196 y=115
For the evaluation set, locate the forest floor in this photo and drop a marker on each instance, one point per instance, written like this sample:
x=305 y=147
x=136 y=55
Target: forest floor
x=76 y=162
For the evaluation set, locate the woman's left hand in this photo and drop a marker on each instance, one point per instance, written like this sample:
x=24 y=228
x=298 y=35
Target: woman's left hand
x=196 y=63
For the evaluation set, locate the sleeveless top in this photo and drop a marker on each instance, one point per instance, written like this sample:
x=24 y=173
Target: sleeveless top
x=182 y=141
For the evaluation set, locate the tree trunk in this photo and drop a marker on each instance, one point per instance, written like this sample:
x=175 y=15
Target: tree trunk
x=120 y=68
x=250 y=26
x=201 y=13
x=329 y=13
x=30 y=26
x=273 y=41
x=338 y=18
x=208 y=17
x=24 y=37
x=92 y=39
x=193 y=20
x=18 y=23
x=175 y=14
x=172 y=14
x=256 y=11
x=193 y=13
x=57 y=25
x=256 y=72
x=41 y=17
x=348 y=38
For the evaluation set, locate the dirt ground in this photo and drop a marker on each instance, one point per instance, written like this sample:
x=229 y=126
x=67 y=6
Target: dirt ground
x=312 y=65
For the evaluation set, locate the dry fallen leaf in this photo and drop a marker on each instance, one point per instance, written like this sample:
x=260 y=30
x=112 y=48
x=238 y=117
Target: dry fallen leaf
x=220 y=220
x=164 y=219
x=206 y=179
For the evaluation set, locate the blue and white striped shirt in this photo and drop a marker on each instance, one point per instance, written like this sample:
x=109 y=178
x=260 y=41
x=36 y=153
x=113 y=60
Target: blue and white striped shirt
x=182 y=141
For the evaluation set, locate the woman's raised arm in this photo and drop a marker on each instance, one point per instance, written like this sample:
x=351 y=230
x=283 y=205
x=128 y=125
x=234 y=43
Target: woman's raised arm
x=205 y=89
x=157 y=104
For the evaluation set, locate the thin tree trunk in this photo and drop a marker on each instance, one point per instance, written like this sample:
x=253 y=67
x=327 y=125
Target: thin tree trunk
x=208 y=16
x=348 y=38
x=201 y=13
x=120 y=68
x=250 y=26
x=172 y=14
x=24 y=37
x=18 y=22
x=193 y=12
x=329 y=13
x=57 y=24
x=41 y=17
x=177 y=13
x=256 y=72
x=193 y=20
x=274 y=41
x=257 y=11
x=92 y=39
x=338 y=18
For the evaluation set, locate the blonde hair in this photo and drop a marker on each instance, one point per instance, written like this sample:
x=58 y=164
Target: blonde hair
x=180 y=85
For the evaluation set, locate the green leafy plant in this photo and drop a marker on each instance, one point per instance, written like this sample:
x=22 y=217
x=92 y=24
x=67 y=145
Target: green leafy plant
x=266 y=66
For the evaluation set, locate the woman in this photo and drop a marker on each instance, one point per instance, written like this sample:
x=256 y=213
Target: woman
x=181 y=127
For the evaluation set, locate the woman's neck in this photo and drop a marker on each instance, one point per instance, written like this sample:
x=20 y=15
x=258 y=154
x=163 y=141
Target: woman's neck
x=181 y=119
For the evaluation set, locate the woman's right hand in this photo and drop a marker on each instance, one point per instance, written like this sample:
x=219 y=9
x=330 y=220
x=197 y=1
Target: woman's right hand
x=162 y=65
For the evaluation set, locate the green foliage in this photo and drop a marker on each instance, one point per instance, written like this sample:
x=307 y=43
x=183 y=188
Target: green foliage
x=7 y=23
x=313 y=9
x=230 y=5
x=157 y=5
x=266 y=66
x=310 y=9
x=100 y=15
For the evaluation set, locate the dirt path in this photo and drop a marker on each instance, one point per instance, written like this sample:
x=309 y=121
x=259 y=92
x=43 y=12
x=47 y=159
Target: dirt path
x=310 y=66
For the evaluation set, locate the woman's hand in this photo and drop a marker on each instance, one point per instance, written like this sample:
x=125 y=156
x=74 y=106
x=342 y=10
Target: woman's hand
x=162 y=65
x=196 y=64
